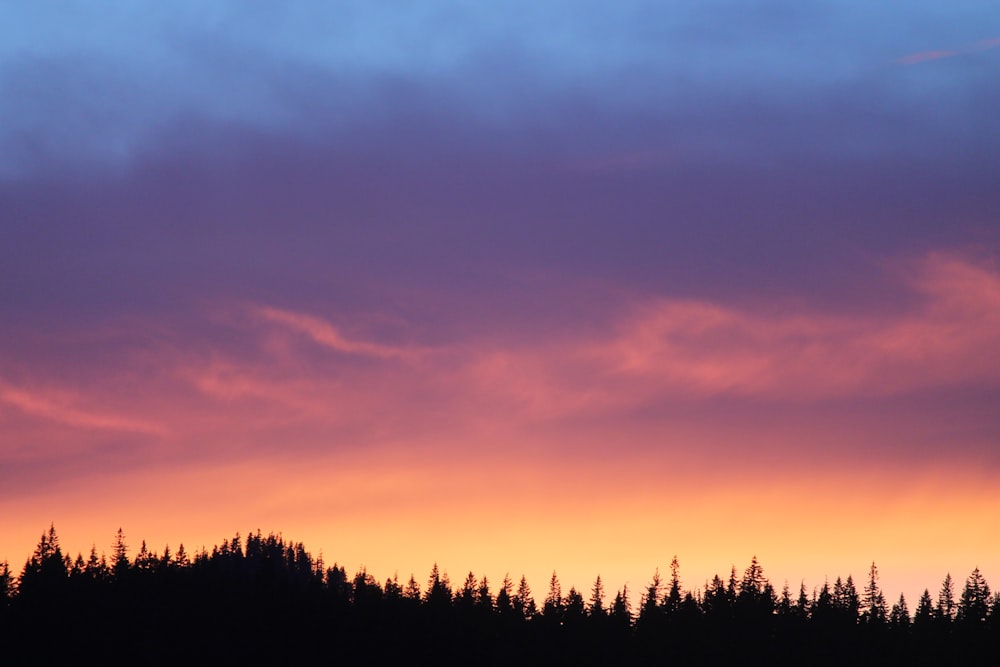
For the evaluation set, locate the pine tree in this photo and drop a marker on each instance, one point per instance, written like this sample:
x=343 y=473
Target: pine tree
x=899 y=617
x=392 y=590
x=553 y=606
x=752 y=585
x=946 y=600
x=673 y=598
x=925 y=611
x=874 y=600
x=484 y=599
x=466 y=595
x=649 y=607
x=974 y=605
x=597 y=598
x=845 y=597
x=504 y=602
x=438 y=588
x=119 y=555
x=785 y=602
x=412 y=590
x=801 y=608
x=574 y=608
x=621 y=608
x=6 y=585
x=524 y=604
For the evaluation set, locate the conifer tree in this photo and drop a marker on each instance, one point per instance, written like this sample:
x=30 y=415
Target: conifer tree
x=650 y=605
x=597 y=598
x=484 y=599
x=899 y=617
x=412 y=590
x=392 y=590
x=553 y=606
x=524 y=604
x=925 y=611
x=674 y=596
x=6 y=585
x=802 y=603
x=466 y=595
x=946 y=600
x=846 y=600
x=974 y=605
x=119 y=555
x=574 y=607
x=621 y=608
x=504 y=601
x=874 y=600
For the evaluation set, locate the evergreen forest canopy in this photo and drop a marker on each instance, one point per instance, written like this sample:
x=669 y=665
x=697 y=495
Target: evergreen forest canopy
x=265 y=599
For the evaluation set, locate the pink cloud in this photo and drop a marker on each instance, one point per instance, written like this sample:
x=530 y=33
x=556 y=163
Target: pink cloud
x=925 y=56
x=709 y=348
x=59 y=408
x=328 y=335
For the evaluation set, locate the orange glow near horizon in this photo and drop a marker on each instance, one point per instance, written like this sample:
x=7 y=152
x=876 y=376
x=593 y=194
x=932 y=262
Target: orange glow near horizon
x=621 y=521
x=681 y=427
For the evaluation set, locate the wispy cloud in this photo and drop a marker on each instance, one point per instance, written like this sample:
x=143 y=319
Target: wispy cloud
x=926 y=56
x=709 y=348
x=58 y=408
x=326 y=334
x=694 y=350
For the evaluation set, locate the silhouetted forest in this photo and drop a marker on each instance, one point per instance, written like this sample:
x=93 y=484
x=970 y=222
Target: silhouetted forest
x=261 y=599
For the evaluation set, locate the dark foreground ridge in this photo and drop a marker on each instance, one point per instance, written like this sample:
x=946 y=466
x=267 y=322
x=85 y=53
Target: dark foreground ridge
x=264 y=600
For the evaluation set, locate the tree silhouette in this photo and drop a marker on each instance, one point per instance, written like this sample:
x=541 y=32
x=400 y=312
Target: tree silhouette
x=946 y=600
x=924 y=615
x=874 y=600
x=524 y=604
x=265 y=600
x=552 y=608
x=899 y=617
x=597 y=598
x=974 y=605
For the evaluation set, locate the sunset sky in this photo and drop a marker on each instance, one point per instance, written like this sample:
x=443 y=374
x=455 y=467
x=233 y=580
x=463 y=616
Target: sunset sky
x=511 y=287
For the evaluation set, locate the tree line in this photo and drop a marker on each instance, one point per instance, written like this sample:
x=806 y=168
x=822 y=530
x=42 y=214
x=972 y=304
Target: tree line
x=262 y=598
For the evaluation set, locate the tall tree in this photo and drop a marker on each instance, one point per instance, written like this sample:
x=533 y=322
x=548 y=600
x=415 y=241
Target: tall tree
x=466 y=595
x=438 y=588
x=924 y=614
x=119 y=555
x=974 y=605
x=597 y=598
x=484 y=598
x=412 y=590
x=650 y=605
x=524 y=604
x=946 y=600
x=846 y=599
x=874 y=600
x=899 y=617
x=621 y=608
x=553 y=606
x=574 y=608
x=504 y=601
x=674 y=597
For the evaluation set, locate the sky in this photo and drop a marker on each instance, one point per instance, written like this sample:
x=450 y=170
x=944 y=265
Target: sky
x=509 y=287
